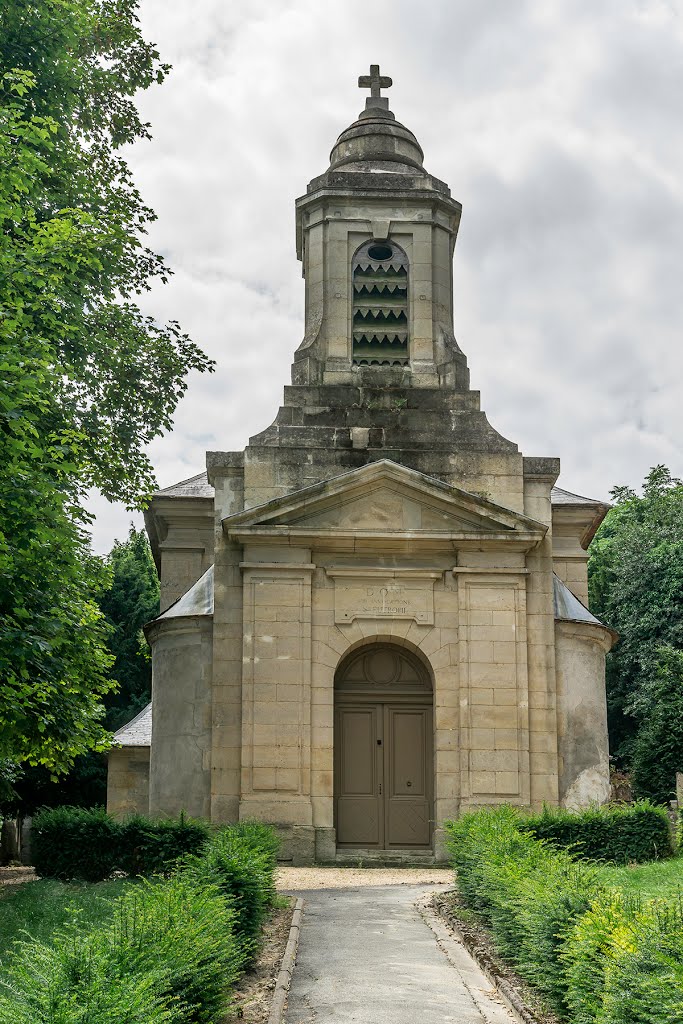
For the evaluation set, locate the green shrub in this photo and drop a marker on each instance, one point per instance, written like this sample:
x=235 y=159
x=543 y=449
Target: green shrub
x=240 y=860
x=170 y=950
x=586 y=953
x=530 y=893
x=74 y=842
x=624 y=963
x=149 y=847
x=74 y=982
x=599 y=956
x=168 y=956
x=89 y=844
x=261 y=837
x=185 y=929
x=620 y=834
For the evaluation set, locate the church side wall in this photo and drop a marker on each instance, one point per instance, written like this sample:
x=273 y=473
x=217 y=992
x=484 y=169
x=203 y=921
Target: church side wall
x=582 y=713
x=181 y=716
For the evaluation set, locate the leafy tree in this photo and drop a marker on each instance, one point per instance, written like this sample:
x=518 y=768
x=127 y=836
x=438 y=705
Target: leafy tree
x=658 y=747
x=86 y=379
x=636 y=583
x=131 y=601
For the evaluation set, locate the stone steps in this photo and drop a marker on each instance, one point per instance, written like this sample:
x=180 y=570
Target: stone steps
x=383 y=859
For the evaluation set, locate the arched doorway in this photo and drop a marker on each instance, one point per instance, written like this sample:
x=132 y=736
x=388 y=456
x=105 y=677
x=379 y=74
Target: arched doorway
x=383 y=764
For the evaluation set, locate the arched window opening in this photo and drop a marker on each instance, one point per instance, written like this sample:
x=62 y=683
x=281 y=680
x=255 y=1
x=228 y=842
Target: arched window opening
x=380 y=305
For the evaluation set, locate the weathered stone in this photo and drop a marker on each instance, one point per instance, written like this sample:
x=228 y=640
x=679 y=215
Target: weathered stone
x=379 y=522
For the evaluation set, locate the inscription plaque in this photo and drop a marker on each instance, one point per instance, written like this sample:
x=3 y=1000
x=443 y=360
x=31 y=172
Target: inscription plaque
x=396 y=594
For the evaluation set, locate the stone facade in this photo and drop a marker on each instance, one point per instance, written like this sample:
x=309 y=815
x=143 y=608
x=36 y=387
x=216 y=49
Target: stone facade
x=380 y=510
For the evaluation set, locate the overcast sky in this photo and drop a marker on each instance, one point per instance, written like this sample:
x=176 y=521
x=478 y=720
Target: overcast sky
x=558 y=126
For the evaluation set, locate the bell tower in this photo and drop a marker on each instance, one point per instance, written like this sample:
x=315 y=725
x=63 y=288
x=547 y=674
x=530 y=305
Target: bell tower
x=378 y=374
x=376 y=234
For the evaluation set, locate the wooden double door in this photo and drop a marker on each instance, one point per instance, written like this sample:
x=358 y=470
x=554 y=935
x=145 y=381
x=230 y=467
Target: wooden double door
x=383 y=774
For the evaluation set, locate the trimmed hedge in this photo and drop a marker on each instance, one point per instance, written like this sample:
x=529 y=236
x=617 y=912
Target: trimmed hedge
x=528 y=892
x=621 y=834
x=243 y=871
x=170 y=954
x=597 y=957
x=89 y=844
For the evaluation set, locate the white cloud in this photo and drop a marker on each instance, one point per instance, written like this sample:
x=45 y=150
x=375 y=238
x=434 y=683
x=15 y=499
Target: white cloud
x=557 y=127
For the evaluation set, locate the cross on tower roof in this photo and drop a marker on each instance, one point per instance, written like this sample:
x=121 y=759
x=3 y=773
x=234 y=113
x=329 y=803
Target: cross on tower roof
x=374 y=82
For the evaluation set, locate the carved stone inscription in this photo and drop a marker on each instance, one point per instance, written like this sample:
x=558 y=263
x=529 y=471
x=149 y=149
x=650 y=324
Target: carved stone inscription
x=383 y=596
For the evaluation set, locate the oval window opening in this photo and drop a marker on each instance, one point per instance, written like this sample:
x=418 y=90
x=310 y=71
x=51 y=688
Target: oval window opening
x=380 y=252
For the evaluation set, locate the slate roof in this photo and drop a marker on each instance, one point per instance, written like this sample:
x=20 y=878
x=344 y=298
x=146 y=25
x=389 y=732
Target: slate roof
x=199 y=486
x=568 y=607
x=137 y=732
x=194 y=487
x=559 y=496
x=198 y=600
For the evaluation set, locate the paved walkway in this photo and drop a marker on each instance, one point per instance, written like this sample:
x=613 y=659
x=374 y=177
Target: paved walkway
x=368 y=956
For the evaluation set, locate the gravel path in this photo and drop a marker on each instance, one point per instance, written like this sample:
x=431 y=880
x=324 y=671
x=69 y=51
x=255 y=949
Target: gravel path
x=302 y=879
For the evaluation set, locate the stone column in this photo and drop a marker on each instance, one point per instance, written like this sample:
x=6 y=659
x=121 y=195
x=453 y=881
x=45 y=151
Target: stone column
x=226 y=473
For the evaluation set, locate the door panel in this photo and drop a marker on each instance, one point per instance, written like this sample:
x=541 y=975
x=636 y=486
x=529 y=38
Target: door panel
x=357 y=774
x=408 y=802
x=383 y=775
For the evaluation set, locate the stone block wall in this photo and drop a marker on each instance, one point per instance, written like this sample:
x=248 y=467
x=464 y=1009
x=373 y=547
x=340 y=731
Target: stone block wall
x=128 y=781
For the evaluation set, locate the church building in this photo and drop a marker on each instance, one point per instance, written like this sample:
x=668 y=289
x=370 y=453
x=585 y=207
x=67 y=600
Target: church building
x=374 y=617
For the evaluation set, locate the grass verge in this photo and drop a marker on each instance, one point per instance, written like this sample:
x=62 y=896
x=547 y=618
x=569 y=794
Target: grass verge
x=44 y=907
x=660 y=878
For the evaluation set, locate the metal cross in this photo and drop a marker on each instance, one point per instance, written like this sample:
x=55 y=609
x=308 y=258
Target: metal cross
x=374 y=82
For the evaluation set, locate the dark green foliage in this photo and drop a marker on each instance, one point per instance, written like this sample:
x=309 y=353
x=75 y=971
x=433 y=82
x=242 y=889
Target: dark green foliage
x=241 y=861
x=149 y=847
x=657 y=752
x=635 y=585
x=85 y=785
x=166 y=952
x=598 y=956
x=73 y=842
x=87 y=380
x=130 y=602
x=621 y=834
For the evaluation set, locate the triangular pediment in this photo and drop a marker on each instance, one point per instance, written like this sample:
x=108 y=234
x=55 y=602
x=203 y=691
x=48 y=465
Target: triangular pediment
x=384 y=498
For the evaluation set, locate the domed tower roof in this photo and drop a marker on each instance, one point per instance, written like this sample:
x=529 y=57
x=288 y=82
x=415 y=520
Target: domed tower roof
x=377 y=151
x=376 y=140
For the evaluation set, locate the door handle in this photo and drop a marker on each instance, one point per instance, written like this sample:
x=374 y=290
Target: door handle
x=409 y=784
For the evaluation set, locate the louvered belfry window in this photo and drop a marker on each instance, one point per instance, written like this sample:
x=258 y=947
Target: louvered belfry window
x=380 y=305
